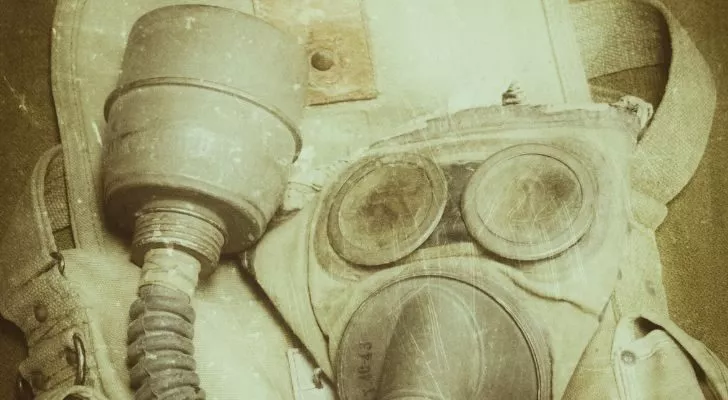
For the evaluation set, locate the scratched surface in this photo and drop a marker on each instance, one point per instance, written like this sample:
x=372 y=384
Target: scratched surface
x=692 y=240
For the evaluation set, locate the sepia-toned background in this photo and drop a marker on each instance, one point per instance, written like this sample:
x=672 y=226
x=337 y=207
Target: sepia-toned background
x=693 y=240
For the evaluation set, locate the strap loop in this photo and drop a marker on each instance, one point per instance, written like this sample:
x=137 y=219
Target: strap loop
x=621 y=35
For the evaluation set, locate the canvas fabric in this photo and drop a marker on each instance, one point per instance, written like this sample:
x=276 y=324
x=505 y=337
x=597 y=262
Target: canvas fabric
x=70 y=296
x=637 y=345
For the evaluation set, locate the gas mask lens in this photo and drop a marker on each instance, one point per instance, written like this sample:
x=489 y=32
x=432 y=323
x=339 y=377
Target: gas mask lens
x=529 y=202
x=385 y=207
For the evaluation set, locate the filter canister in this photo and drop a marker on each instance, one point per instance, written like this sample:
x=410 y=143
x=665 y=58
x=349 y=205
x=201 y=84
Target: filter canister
x=205 y=115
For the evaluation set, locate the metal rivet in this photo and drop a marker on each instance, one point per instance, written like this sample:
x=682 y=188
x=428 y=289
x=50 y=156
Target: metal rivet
x=628 y=357
x=640 y=108
x=317 y=374
x=513 y=95
x=41 y=312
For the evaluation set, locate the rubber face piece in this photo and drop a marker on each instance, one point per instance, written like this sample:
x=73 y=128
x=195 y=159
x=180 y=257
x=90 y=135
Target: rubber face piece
x=440 y=338
x=529 y=202
x=385 y=207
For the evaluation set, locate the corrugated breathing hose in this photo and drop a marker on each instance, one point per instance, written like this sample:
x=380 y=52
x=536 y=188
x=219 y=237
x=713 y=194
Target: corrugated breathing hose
x=160 y=345
x=176 y=243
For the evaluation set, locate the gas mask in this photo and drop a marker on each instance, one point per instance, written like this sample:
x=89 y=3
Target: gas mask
x=414 y=227
x=467 y=259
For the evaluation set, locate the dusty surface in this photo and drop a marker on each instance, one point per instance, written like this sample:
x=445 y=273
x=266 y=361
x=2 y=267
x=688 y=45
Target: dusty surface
x=693 y=240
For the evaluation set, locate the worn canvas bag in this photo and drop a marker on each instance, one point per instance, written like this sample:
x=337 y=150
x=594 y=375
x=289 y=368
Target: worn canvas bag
x=600 y=332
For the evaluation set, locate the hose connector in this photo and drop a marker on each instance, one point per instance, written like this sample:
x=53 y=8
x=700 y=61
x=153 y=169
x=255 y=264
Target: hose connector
x=179 y=225
x=176 y=241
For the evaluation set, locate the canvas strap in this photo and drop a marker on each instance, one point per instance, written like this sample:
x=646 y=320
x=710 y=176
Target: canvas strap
x=624 y=35
x=36 y=295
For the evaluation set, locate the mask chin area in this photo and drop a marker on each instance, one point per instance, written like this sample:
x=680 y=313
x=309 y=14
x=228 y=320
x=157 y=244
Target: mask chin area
x=436 y=338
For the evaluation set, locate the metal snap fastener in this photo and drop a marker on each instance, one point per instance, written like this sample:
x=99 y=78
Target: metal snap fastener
x=628 y=357
x=41 y=312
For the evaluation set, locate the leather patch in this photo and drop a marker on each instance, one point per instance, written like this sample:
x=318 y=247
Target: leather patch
x=336 y=39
